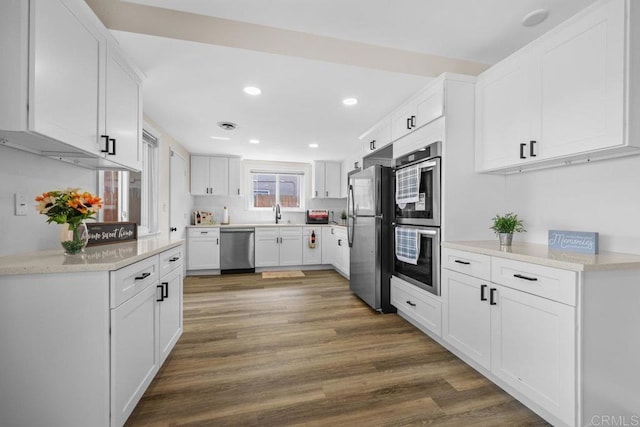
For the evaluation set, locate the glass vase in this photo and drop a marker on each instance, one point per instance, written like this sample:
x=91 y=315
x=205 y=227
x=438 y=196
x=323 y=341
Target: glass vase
x=74 y=238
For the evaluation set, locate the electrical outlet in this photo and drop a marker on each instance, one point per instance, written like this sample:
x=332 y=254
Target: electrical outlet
x=21 y=204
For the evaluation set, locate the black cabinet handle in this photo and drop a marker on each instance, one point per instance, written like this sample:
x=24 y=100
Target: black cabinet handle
x=113 y=147
x=173 y=229
x=143 y=276
x=408 y=122
x=462 y=262
x=339 y=242
x=522 y=150
x=413 y=121
x=531 y=279
x=217 y=240
x=411 y=304
x=165 y=291
x=161 y=293
x=174 y=259
x=238 y=191
x=106 y=143
x=531 y=152
x=492 y=295
x=204 y=232
x=483 y=297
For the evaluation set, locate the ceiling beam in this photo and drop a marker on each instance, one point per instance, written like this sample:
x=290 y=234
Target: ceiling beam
x=155 y=21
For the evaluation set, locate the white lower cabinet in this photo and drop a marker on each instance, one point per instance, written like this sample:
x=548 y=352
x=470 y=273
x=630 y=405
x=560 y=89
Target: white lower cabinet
x=420 y=307
x=335 y=250
x=312 y=250
x=278 y=246
x=170 y=311
x=513 y=329
x=203 y=248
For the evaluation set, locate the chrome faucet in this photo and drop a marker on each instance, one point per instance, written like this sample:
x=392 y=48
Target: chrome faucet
x=278 y=215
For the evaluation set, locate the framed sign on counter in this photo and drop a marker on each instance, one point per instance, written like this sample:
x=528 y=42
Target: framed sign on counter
x=106 y=233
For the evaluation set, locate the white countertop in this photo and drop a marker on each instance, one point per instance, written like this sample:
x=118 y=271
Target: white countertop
x=268 y=224
x=95 y=258
x=541 y=254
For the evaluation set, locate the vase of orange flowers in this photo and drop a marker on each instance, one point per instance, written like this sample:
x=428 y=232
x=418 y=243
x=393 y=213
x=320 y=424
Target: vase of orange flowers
x=70 y=207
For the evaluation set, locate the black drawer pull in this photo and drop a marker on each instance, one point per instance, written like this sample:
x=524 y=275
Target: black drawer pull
x=165 y=290
x=143 y=276
x=411 y=304
x=492 y=297
x=106 y=143
x=161 y=293
x=174 y=259
x=522 y=156
x=531 y=146
x=413 y=121
x=483 y=297
x=462 y=262
x=531 y=279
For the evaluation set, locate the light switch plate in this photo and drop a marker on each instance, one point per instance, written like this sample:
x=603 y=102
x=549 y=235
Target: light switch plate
x=20 y=204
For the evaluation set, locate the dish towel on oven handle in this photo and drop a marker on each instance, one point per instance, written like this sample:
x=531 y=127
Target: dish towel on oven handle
x=408 y=185
x=407 y=245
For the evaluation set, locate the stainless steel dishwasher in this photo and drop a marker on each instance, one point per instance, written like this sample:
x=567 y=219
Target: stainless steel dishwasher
x=237 y=250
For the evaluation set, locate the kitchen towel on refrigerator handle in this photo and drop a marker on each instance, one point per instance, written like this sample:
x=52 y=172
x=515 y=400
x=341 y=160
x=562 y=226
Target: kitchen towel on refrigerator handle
x=408 y=185
x=407 y=247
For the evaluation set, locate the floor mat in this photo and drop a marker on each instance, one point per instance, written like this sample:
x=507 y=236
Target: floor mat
x=282 y=274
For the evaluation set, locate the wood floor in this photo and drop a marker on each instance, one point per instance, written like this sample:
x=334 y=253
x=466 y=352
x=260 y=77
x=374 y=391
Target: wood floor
x=281 y=352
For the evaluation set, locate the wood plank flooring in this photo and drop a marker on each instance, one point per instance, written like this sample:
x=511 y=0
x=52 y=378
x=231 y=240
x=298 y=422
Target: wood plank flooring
x=293 y=352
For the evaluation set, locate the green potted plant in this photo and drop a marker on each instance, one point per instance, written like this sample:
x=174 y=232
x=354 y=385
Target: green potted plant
x=505 y=225
x=343 y=216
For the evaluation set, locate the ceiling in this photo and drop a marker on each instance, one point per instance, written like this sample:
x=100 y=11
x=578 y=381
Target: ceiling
x=306 y=56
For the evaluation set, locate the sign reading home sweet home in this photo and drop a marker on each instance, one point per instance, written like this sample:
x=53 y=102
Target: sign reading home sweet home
x=574 y=241
x=105 y=233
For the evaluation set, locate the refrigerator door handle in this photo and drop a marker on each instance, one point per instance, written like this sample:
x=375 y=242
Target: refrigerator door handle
x=351 y=218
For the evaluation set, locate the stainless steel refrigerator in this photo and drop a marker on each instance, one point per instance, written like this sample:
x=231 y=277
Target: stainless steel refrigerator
x=370 y=207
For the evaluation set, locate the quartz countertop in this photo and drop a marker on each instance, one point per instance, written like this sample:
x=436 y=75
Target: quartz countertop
x=269 y=224
x=95 y=258
x=542 y=255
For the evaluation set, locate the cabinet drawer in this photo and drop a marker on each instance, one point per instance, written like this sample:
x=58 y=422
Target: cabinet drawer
x=476 y=265
x=203 y=233
x=171 y=259
x=548 y=282
x=290 y=232
x=130 y=280
x=421 y=306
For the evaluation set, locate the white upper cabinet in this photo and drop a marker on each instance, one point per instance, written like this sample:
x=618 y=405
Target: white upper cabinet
x=215 y=176
x=66 y=85
x=423 y=108
x=327 y=179
x=377 y=137
x=561 y=98
x=123 y=118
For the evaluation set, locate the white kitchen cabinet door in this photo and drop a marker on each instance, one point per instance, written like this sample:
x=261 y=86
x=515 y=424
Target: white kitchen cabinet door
x=134 y=351
x=64 y=95
x=430 y=104
x=267 y=247
x=403 y=120
x=219 y=176
x=235 y=177
x=328 y=246
x=507 y=112
x=423 y=308
x=123 y=113
x=312 y=256
x=199 y=175
x=534 y=349
x=341 y=258
x=466 y=322
x=377 y=138
x=170 y=312
x=583 y=83
x=318 y=179
x=332 y=179
x=203 y=249
x=290 y=246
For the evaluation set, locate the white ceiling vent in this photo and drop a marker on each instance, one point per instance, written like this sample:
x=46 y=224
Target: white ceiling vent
x=227 y=125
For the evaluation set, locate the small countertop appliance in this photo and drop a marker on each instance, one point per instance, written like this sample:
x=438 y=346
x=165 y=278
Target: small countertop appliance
x=317 y=216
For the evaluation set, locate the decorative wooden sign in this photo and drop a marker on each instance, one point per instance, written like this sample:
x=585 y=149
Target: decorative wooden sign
x=574 y=241
x=106 y=233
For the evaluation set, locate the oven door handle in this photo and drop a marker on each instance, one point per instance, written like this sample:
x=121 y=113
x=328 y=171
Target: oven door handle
x=427 y=232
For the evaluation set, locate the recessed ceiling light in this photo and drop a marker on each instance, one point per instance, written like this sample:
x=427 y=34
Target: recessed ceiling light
x=254 y=141
x=313 y=145
x=350 y=101
x=252 y=90
x=534 y=18
x=221 y=138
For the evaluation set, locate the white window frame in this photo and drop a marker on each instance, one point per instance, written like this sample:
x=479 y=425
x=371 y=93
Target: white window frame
x=277 y=168
x=149 y=218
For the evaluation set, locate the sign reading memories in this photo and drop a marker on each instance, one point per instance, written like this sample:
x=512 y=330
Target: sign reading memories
x=105 y=233
x=574 y=241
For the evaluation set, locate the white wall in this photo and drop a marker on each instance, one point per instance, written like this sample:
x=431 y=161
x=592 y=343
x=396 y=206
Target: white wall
x=31 y=175
x=602 y=196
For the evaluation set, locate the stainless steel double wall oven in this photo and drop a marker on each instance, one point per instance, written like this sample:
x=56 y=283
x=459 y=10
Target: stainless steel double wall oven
x=421 y=216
